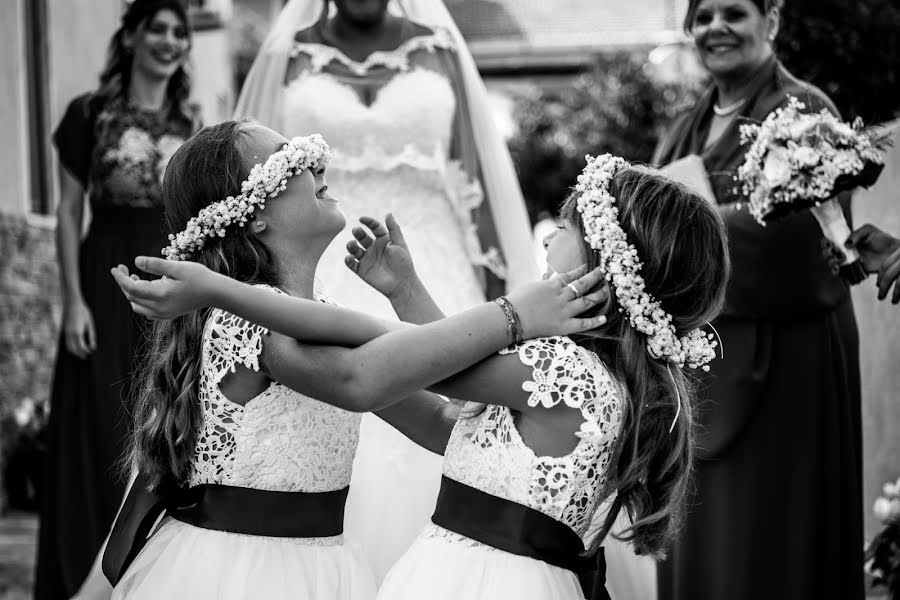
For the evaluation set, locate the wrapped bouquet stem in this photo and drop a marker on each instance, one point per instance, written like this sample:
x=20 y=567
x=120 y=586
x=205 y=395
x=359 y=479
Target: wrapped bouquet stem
x=799 y=160
x=835 y=228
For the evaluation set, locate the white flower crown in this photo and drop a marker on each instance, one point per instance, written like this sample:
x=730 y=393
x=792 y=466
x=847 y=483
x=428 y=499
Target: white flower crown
x=622 y=266
x=265 y=182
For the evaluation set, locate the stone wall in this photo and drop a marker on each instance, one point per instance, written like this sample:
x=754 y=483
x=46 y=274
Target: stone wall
x=29 y=319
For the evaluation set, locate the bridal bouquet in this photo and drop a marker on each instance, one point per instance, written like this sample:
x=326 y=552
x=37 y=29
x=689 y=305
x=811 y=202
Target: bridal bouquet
x=801 y=160
x=883 y=553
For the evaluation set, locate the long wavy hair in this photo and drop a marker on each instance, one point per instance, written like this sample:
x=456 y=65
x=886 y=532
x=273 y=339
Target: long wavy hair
x=116 y=74
x=168 y=415
x=682 y=243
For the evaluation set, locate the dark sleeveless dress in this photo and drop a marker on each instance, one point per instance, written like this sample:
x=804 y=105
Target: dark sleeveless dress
x=777 y=511
x=119 y=154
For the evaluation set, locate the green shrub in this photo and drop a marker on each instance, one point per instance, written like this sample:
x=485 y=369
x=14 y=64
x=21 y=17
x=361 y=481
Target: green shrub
x=618 y=108
x=850 y=49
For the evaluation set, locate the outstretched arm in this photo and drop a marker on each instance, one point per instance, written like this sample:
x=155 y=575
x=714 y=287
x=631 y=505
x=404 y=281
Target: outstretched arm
x=189 y=286
x=392 y=366
x=395 y=365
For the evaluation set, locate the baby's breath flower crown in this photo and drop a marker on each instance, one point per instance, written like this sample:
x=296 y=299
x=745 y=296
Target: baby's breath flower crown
x=265 y=182
x=622 y=265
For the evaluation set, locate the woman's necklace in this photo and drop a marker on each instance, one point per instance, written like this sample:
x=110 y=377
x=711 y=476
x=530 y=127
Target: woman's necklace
x=727 y=110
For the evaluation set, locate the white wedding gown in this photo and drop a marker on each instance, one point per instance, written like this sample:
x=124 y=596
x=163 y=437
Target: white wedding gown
x=391 y=155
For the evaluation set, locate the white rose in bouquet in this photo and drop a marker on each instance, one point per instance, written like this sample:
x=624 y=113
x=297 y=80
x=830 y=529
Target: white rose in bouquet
x=806 y=156
x=777 y=168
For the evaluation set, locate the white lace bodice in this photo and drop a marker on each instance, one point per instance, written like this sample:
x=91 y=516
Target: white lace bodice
x=488 y=453
x=408 y=123
x=394 y=156
x=279 y=440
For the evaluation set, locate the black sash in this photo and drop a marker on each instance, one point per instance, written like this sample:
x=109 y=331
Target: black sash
x=521 y=530
x=222 y=508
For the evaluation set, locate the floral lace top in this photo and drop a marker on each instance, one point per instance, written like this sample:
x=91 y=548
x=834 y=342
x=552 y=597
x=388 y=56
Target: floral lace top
x=488 y=453
x=119 y=152
x=280 y=440
x=392 y=122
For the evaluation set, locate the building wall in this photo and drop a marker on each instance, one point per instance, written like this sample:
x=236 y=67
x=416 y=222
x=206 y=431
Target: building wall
x=212 y=74
x=13 y=118
x=78 y=33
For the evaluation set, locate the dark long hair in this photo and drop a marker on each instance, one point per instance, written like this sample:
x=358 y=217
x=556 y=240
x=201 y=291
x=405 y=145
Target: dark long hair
x=682 y=243
x=116 y=74
x=168 y=415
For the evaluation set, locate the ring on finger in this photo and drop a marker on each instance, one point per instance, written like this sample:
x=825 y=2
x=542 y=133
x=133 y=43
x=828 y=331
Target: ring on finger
x=574 y=289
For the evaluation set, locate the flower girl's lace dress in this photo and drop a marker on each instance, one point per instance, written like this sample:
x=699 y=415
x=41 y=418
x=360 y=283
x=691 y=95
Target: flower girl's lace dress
x=488 y=453
x=279 y=440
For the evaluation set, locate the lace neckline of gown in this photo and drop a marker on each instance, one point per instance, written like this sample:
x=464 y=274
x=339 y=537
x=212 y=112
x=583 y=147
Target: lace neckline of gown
x=397 y=59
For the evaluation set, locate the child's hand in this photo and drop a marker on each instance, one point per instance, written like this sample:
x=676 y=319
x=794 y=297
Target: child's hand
x=384 y=261
x=185 y=286
x=553 y=306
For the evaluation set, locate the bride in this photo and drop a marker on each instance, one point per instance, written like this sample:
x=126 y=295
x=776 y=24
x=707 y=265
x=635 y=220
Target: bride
x=393 y=88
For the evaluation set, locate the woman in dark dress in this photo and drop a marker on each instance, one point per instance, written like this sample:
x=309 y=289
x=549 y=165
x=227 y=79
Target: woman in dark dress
x=778 y=506
x=114 y=145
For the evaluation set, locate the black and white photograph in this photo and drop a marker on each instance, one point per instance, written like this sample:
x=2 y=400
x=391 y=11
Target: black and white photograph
x=450 y=300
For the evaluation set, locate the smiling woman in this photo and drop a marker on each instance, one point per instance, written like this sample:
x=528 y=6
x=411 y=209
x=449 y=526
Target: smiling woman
x=114 y=144
x=782 y=430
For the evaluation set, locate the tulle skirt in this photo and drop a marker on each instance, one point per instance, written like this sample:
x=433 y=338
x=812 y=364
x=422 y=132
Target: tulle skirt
x=438 y=569
x=628 y=576
x=183 y=561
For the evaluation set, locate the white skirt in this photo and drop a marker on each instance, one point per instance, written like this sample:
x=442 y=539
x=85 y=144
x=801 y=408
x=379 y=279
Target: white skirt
x=439 y=569
x=183 y=561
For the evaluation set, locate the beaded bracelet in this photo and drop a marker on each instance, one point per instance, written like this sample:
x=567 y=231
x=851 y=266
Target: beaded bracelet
x=513 y=324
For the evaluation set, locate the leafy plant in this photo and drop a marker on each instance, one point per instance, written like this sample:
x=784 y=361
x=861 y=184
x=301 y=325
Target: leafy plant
x=619 y=107
x=850 y=49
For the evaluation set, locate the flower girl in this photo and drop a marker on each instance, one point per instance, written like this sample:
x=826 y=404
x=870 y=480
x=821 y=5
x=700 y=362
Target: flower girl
x=252 y=472
x=574 y=427
x=558 y=428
